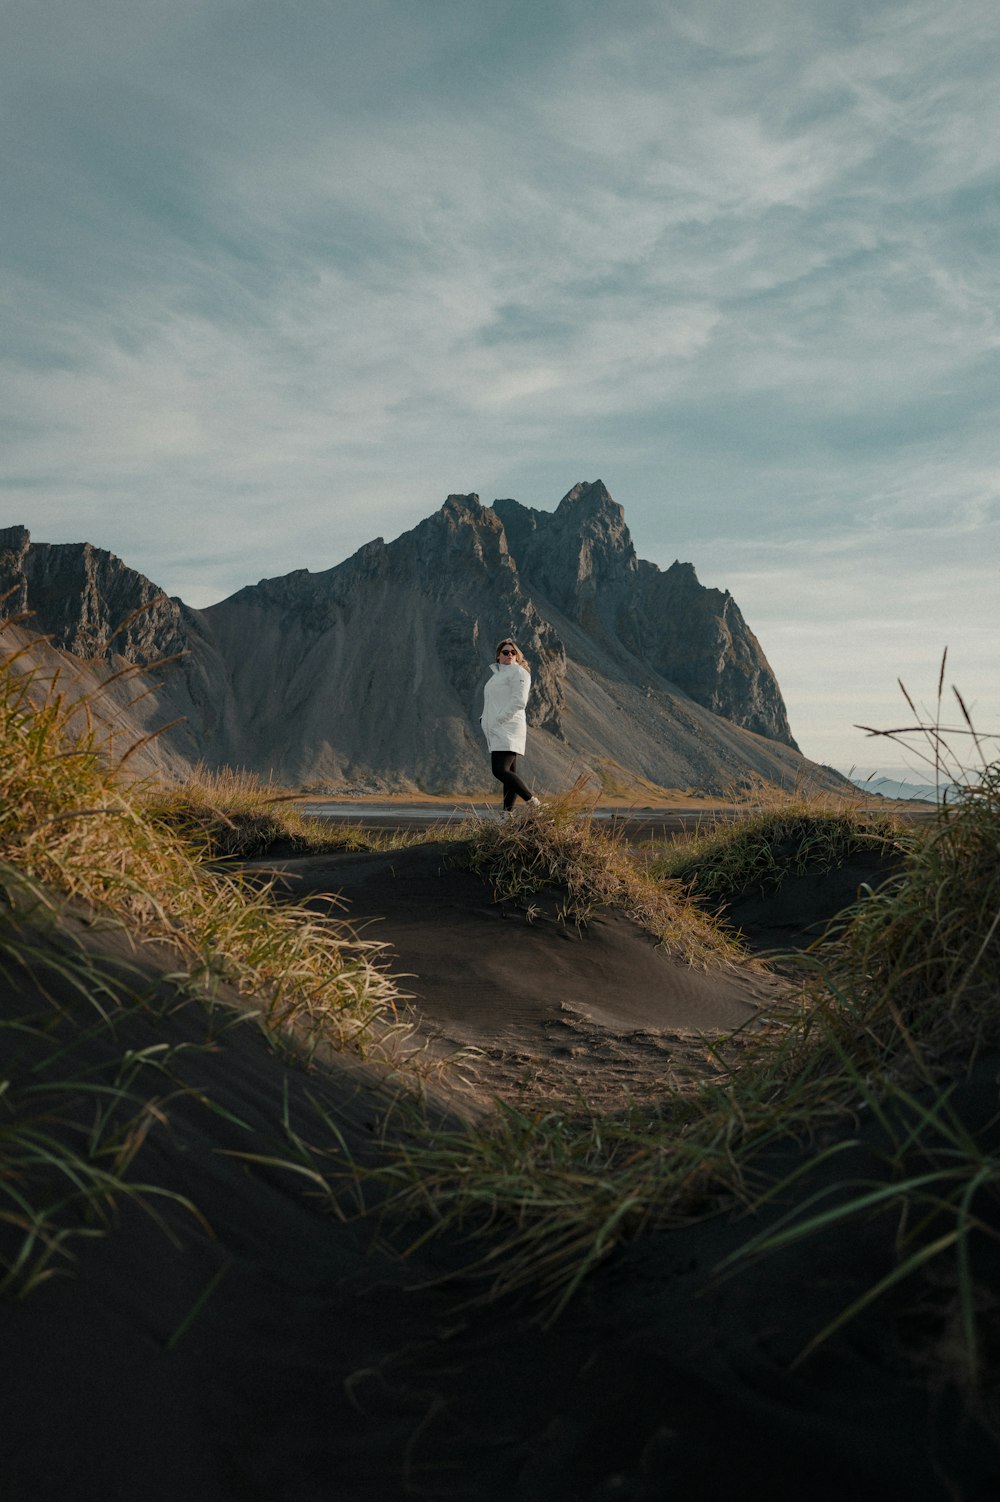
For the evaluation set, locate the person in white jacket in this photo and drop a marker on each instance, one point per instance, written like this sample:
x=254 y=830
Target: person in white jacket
x=503 y=720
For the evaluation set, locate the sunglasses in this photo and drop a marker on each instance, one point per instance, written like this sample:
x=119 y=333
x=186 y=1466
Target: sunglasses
x=506 y=652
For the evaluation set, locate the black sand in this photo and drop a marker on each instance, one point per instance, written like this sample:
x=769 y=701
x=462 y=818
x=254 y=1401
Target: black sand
x=275 y=1351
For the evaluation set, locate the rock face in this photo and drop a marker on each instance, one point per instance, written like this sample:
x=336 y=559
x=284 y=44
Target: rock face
x=372 y=671
x=581 y=559
x=90 y=604
x=87 y=600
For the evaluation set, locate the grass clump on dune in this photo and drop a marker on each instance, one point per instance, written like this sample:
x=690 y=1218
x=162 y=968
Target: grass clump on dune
x=864 y=1064
x=925 y=947
x=564 y=847
x=904 y=1036
x=775 y=835
x=862 y=1056
x=237 y=815
x=71 y=1126
x=77 y=842
x=68 y=822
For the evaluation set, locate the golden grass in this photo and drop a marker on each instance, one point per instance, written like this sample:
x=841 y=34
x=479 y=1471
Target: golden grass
x=563 y=846
x=70 y=1130
x=772 y=834
x=73 y=831
x=880 y=1022
x=69 y=822
x=237 y=815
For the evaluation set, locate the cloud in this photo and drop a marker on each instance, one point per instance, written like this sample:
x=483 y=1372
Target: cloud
x=312 y=267
x=844 y=618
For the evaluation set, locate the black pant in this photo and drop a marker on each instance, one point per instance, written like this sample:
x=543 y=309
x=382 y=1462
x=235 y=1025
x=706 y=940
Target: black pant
x=503 y=764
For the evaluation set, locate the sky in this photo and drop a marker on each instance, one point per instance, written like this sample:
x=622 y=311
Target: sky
x=277 y=277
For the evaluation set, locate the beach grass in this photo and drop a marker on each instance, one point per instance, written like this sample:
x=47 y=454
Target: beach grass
x=76 y=837
x=869 y=1052
x=772 y=834
x=562 y=846
x=69 y=822
x=70 y=1131
x=868 y=1049
x=229 y=814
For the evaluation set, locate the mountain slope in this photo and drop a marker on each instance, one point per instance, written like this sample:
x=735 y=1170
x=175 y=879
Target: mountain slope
x=372 y=671
x=581 y=559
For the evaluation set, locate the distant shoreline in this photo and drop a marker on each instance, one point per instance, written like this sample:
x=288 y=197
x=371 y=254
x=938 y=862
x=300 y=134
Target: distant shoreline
x=636 y=822
x=483 y=802
x=431 y=803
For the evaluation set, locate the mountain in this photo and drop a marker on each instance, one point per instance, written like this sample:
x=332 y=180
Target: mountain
x=581 y=559
x=371 y=672
x=101 y=623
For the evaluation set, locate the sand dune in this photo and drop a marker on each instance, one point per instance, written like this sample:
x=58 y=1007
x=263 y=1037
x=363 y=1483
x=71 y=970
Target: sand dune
x=597 y=1012
x=270 y=1348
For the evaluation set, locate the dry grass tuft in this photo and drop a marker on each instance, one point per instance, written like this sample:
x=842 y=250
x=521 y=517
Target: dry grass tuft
x=235 y=815
x=72 y=831
x=772 y=835
x=562 y=845
x=865 y=1056
x=70 y=824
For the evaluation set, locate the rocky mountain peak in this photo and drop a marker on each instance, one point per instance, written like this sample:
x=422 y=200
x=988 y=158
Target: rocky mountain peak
x=375 y=667
x=464 y=532
x=14 y=544
x=574 y=553
x=684 y=573
x=462 y=507
x=14 y=539
x=581 y=559
x=87 y=600
x=589 y=497
x=604 y=551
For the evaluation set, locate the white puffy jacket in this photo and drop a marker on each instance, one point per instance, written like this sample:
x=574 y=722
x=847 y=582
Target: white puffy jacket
x=504 y=697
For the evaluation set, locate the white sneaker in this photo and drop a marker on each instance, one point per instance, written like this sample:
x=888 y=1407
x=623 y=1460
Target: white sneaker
x=533 y=802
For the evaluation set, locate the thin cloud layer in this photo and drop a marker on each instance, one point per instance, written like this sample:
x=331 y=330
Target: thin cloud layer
x=276 y=280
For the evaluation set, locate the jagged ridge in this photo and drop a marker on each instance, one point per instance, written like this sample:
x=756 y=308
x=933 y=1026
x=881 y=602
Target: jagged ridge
x=373 y=670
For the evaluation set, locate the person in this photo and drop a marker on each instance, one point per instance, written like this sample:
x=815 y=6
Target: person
x=503 y=720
